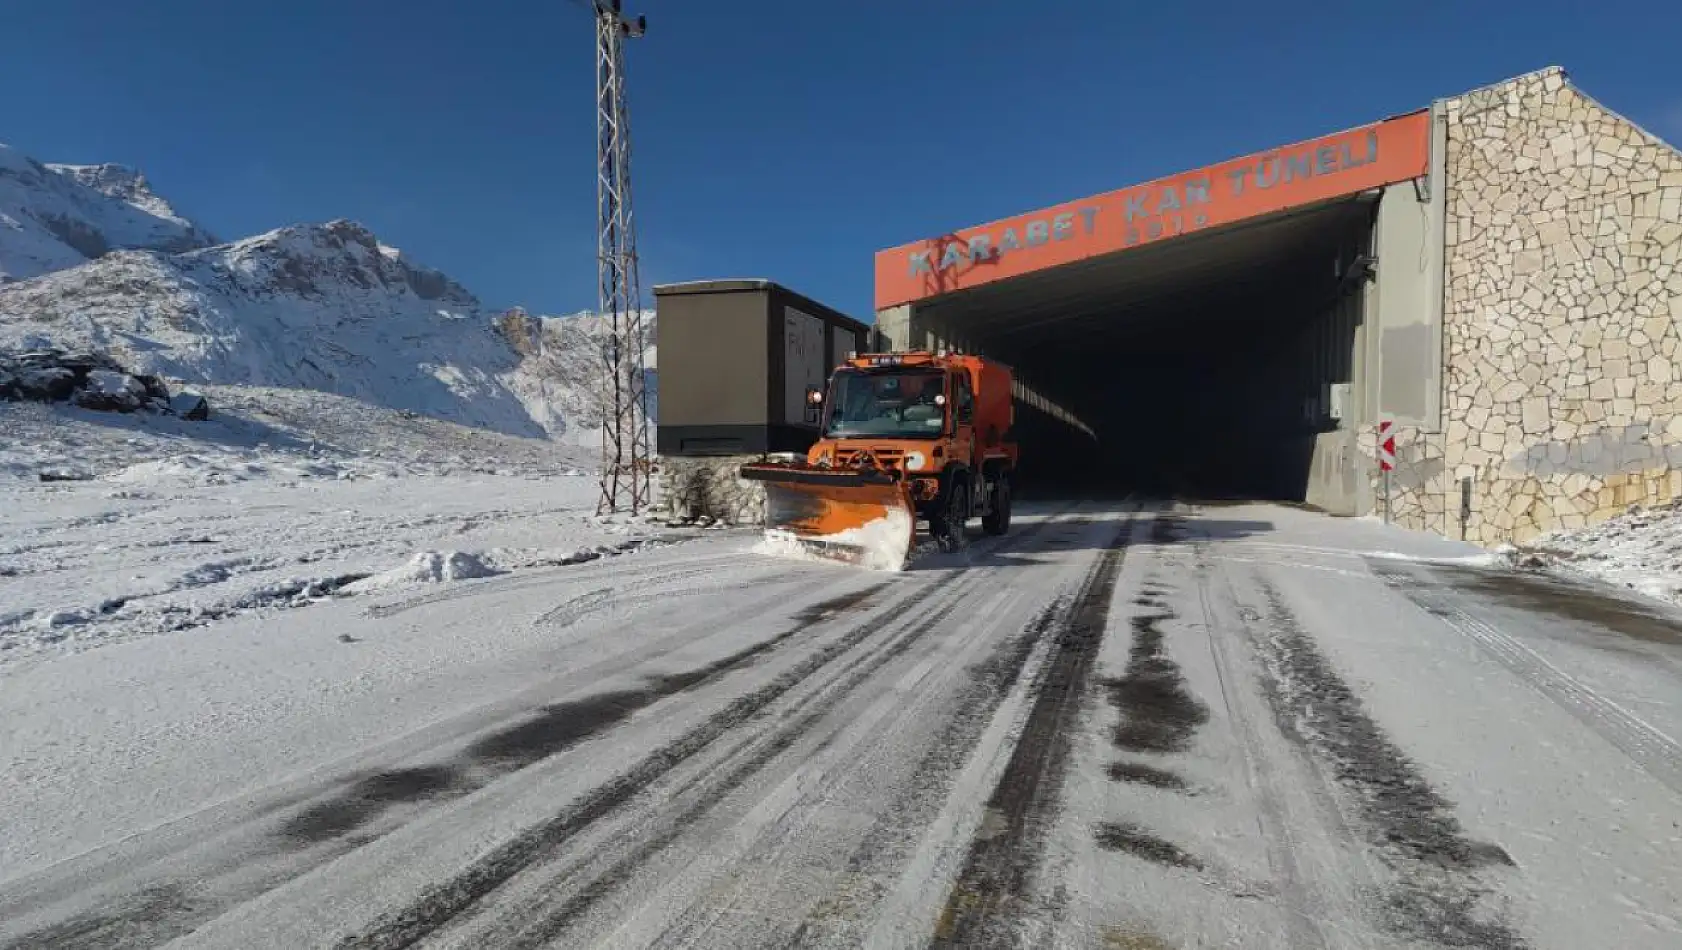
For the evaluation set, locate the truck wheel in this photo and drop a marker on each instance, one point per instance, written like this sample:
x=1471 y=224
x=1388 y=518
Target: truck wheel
x=948 y=526
x=997 y=520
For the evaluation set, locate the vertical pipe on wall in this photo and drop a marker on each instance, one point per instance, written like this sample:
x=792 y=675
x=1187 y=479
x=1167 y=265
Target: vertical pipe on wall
x=1437 y=251
x=1437 y=247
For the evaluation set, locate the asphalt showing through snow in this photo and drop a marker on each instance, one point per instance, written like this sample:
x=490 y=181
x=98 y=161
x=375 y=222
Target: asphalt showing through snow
x=1138 y=725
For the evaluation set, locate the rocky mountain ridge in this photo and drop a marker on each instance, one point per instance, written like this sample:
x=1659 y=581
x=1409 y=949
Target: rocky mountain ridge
x=323 y=307
x=54 y=217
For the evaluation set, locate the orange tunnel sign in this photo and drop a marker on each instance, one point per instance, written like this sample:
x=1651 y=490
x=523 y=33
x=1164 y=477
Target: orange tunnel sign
x=1345 y=163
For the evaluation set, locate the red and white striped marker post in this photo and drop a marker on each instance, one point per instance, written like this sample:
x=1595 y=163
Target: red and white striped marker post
x=1386 y=458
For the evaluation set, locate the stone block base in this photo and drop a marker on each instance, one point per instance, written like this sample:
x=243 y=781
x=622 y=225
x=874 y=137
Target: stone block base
x=708 y=487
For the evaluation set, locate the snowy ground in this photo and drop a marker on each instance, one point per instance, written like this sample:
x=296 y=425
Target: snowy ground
x=149 y=525
x=1639 y=550
x=1119 y=726
x=288 y=430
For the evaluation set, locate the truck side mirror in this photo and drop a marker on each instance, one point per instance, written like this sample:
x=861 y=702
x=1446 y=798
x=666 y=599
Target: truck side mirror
x=814 y=404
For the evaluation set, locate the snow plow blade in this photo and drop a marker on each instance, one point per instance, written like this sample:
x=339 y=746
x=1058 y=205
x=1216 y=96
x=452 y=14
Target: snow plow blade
x=855 y=517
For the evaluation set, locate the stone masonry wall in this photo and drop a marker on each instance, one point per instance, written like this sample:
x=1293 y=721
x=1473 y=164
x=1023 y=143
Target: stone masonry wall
x=1419 y=486
x=1562 y=315
x=708 y=487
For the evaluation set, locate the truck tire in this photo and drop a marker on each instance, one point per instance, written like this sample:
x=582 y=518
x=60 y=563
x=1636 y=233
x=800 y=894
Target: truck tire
x=997 y=519
x=948 y=522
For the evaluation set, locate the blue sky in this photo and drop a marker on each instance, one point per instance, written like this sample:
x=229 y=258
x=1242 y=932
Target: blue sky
x=775 y=139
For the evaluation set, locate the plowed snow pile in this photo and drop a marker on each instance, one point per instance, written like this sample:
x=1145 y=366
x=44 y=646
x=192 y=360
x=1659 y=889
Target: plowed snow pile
x=881 y=543
x=1640 y=549
x=427 y=567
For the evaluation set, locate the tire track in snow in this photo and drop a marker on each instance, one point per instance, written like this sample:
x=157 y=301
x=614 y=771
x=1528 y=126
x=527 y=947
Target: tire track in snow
x=892 y=838
x=1653 y=750
x=550 y=731
x=451 y=902
x=551 y=923
x=331 y=823
x=802 y=821
x=984 y=903
x=1158 y=713
x=1435 y=896
x=599 y=599
x=574 y=894
x=442 y=903
x=1305 y=922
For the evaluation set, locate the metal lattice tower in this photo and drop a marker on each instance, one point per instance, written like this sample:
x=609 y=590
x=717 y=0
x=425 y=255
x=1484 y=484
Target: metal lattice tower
x=626 y=459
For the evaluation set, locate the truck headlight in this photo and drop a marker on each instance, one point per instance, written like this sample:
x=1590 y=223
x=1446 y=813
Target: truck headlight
x=914 y=461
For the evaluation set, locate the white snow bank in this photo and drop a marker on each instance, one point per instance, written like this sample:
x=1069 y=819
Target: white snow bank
x=882 y=543
x=1487 y=559
x=1640 y=549
x=427 y=567
x=191 y=469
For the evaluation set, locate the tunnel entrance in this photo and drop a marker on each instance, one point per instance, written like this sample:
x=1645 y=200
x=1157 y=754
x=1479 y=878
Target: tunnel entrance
x=1207 y=365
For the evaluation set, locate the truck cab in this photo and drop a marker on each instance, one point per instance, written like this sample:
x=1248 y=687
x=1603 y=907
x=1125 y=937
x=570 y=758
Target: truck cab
x=939 y=421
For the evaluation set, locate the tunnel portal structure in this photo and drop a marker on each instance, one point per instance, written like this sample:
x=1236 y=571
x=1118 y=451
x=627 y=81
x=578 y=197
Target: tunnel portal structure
x=1497 y=276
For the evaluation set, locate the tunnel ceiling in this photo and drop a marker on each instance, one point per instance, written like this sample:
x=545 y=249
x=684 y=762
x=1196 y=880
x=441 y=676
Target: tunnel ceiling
x=1134 y=293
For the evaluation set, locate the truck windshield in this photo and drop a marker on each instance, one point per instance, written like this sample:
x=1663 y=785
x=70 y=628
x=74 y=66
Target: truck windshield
x=894 y=403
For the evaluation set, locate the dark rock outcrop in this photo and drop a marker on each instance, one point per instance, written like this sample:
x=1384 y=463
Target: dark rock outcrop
x=92 y=381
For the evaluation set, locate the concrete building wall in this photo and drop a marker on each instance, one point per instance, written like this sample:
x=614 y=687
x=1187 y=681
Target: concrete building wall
x=1402 y=343
x=1340 y=369
x=723 y=339
x=1563 y=295
x=1404 y=309
x=900 y=328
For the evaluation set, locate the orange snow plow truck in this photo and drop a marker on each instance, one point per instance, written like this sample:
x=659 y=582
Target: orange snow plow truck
x=904 y=437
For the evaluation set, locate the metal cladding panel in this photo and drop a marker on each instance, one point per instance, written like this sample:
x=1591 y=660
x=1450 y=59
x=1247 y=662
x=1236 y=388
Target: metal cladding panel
x=1345 y=163
x=737 y=356
x=805 y=336
x=804 y=357
x=716 y=359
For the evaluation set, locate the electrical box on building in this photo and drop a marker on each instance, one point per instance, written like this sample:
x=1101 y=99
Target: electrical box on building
x=1338 y=398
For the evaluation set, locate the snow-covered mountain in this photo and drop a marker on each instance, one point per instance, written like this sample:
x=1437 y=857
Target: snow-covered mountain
x=562 y=366
x=58 y=216
x=130 y=186
x=323 y=307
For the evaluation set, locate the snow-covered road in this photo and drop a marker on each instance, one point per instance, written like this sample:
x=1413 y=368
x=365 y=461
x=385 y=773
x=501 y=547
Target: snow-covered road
x=1127 y=725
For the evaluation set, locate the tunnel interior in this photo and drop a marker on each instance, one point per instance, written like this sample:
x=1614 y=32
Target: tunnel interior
x=1201 y=363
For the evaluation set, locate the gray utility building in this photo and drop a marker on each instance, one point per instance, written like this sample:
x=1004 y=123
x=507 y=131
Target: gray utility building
x=737 y=358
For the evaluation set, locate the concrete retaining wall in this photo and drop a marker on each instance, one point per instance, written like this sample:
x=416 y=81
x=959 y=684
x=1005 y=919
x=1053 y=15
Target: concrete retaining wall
x=708 y=487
